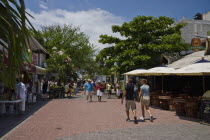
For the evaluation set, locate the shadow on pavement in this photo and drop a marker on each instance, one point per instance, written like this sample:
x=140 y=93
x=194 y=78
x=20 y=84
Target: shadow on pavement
x=189 y=119
x=180 y=117
x=10 y=121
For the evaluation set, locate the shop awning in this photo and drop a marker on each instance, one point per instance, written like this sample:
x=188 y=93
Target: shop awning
x=40 y=71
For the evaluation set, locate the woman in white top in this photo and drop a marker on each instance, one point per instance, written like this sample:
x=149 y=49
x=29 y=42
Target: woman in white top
x=118 y=88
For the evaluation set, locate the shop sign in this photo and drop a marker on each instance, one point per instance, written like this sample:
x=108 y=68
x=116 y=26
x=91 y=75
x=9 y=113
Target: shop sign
x=196 y=44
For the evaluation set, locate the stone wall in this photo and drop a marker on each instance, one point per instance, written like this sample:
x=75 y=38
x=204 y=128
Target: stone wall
x=194 y=28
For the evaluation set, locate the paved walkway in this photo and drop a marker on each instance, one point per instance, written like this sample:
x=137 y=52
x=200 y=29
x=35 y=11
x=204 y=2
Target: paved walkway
x=65 y=119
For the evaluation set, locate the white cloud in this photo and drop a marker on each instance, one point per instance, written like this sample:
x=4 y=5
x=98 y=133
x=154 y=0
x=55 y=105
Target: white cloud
x=41 y=5
x=93 y=22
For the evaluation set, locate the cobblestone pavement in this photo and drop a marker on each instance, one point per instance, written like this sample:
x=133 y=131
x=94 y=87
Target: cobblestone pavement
x=65 y=119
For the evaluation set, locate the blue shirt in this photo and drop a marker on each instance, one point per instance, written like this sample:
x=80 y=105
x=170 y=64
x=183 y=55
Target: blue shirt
x=145 y=90
x=89 y=87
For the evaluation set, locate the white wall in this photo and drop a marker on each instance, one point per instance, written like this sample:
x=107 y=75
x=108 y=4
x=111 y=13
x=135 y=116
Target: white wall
x=206 y=16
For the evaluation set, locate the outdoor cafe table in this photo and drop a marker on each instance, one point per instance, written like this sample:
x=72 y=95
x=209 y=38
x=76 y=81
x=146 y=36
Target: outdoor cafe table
x=164 y=102
x=3 y=107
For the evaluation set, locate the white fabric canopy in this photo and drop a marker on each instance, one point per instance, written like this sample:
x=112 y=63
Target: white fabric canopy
x=135 y=72
x=194 y=69
x=40 y=70
x=160 y=70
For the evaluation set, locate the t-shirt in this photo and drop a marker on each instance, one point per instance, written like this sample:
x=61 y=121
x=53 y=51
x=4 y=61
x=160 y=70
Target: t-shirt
x=94 y=84
x=129 y=91
x=109 y=86
x=118 y=86
x=66 y=87
x=75 y=85
x=99 y=87
x=89 y=87
x=145 y=90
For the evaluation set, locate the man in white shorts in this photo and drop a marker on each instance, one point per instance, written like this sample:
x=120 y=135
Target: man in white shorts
x=89 y=90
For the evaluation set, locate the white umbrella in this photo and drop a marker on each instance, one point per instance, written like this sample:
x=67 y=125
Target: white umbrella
x=160 y=70
x=157 y=71
x=135 y=72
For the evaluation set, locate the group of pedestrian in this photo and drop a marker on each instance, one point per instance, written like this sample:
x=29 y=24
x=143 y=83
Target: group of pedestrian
x=71 y=88
x=92 y=87
x=129 y=94
x=131 y=98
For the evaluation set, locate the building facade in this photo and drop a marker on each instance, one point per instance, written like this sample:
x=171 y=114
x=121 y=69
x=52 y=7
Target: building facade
x=194 y=29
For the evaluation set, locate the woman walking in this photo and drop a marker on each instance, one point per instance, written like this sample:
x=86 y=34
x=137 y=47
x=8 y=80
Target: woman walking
x=118 y=88
x=99 y=93
x=145 y=99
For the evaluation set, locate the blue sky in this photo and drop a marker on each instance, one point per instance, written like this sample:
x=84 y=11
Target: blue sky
x=101 y=14
x=130 y=8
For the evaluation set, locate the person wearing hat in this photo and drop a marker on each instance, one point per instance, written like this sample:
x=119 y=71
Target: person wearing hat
x=88 y=90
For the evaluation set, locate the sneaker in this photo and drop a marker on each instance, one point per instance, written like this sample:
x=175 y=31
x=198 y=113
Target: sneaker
x=128 y=120
x=135 y=120
x=142 y=118
x=87 y=102
x=151 y=118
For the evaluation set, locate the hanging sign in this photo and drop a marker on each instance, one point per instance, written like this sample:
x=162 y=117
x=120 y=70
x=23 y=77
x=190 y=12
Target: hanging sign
x=196 y=44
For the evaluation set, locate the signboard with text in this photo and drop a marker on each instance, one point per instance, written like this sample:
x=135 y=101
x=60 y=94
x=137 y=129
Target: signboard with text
x=196 y=44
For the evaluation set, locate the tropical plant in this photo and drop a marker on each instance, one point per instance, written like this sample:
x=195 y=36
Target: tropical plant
x=14 y=40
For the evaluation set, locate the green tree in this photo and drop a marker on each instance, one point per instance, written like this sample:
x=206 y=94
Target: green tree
x=143 y=40
x=70 y=50
x=14 y=40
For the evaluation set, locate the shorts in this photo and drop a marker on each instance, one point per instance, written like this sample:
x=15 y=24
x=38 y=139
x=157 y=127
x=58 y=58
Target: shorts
x=99 y=93
x=130 y=104
x=89 y=92
x=109 y=91
x=145 y=100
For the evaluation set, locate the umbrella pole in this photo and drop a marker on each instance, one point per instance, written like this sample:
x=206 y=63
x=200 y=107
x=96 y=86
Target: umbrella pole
x=204 y=86
x=162 y=84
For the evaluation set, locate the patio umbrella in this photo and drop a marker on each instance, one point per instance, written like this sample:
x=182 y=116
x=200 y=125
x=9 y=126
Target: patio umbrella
x=200 y=68
x=158 y=71
x=135 y=72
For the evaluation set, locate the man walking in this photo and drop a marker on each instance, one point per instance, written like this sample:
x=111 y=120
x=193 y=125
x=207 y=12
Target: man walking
x=130 y=102
x=88 y=90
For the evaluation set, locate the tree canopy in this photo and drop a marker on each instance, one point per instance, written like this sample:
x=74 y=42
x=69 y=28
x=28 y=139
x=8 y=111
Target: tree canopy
x=69 y=48
x=142 y=42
